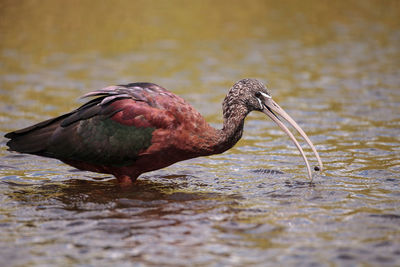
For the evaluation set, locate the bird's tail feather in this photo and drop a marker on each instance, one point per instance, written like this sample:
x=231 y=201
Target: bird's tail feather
x=33 y=139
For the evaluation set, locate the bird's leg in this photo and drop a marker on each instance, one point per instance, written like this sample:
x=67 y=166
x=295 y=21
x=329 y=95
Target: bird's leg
x=125 y=180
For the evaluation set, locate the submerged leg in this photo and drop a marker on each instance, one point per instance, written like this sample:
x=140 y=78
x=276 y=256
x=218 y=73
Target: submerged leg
x=126 y=180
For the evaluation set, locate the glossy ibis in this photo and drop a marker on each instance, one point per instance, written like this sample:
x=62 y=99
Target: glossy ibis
x=130 y=129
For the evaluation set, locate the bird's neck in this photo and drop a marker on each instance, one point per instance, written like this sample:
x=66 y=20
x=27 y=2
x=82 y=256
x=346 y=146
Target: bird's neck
x=232 y=129
x=214 y=141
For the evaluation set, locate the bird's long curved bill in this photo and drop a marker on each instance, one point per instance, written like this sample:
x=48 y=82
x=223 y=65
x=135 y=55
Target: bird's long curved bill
x=271 y=106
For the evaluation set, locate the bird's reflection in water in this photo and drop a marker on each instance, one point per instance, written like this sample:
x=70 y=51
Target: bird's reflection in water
x=105 y=193
x=100 y=217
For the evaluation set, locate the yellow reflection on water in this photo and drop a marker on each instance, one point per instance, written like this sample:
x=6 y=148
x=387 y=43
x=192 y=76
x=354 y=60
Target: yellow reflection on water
x=41 y=27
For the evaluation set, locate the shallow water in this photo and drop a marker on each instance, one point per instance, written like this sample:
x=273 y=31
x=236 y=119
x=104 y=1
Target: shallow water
x=336 y=71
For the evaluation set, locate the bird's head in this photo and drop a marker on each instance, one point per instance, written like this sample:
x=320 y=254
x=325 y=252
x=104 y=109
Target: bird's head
x=252 y=95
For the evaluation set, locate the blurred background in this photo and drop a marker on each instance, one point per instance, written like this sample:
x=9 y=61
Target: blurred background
x=333 y=65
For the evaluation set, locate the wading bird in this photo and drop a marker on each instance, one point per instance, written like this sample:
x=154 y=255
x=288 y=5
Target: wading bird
x=140 y=127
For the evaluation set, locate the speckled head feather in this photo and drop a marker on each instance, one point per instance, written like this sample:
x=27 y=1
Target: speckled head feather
x=243 y=97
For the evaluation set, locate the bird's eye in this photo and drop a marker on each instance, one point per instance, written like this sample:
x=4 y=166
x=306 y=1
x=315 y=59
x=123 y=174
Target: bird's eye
x=258 y=94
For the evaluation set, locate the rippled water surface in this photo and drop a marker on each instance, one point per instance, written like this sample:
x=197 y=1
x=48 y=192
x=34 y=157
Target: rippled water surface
x=335 y=67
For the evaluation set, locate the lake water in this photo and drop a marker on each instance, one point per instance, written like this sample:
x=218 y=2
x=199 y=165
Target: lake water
x=334 y=67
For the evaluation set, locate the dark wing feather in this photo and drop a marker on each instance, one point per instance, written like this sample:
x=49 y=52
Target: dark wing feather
x=37 y=126
x=110 y=129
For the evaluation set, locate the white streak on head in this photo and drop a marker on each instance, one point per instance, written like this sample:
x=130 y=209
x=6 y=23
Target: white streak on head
x=261 y=104
x=265 y=95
